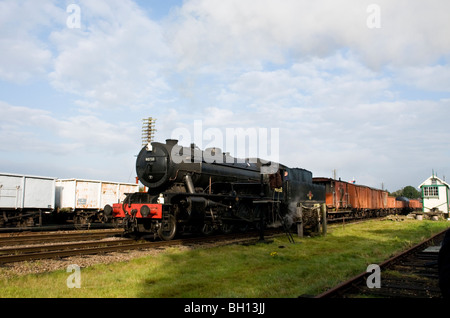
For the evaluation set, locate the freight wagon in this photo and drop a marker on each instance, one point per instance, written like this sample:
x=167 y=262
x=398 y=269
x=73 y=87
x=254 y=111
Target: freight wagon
x=405 y=205
x=84 y=200
x=349 y=200
x=415 y=204
x=24 y=199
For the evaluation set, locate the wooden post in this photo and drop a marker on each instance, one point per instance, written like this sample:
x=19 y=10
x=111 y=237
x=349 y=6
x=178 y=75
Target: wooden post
x=323 y=209
x=299 y=221
x=261 y=223
x=209 y=185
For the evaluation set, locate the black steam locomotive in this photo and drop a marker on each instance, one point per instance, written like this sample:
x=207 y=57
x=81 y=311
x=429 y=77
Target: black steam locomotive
x=194 y=190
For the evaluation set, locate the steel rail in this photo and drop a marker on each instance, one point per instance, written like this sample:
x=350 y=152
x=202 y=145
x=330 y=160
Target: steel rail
x=65 y=250
x=60 y=237
x=61 y=253
x=340 y=288
x=55 y=247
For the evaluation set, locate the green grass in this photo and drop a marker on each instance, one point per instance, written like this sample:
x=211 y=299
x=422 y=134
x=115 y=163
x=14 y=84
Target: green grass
x=279 y=269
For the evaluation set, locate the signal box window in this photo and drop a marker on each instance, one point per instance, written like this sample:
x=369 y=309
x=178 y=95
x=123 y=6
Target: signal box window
x=431 y=192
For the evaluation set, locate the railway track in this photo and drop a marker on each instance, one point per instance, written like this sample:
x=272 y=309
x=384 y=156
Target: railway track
x=55 y=227
x=48 y=237
x=46 y=251
x=410 y=274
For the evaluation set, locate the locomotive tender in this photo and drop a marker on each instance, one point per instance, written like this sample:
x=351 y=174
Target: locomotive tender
x=194 y=190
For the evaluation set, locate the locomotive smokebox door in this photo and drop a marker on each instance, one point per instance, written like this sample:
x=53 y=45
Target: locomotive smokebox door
x=152 y=166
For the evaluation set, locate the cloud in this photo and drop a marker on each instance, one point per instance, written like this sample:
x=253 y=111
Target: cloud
x=385 y=141
x=377 y=142
x=39 y=142
x=114 y=60
x=25 y=129
x=432 y=78
x=24 y=54
x=22 y=60
x=205 y=33
x=343 y=95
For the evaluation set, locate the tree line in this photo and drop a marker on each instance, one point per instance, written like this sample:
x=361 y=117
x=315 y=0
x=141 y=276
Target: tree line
x=409 y=192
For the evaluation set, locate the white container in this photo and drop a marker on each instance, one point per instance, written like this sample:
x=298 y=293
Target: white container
x=80 y=194
x=20 y=192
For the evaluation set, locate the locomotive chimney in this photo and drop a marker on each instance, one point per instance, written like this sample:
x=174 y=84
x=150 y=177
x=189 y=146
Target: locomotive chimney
x=171 y=142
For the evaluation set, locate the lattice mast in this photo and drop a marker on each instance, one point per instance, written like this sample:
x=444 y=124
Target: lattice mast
x=148 y=130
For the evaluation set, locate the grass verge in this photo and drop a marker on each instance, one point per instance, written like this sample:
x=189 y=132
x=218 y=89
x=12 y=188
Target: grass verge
x=278 y=269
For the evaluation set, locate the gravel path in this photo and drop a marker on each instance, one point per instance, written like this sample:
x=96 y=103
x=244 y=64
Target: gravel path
x=48 y=265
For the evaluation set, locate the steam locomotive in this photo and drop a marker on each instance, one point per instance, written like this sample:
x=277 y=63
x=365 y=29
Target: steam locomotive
x=193 y=190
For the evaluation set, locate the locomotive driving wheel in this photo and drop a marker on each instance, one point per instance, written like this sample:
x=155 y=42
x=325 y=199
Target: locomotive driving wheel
x=168 y=228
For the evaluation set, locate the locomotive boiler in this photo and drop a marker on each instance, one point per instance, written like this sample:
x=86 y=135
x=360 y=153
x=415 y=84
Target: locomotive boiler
x=193 y=190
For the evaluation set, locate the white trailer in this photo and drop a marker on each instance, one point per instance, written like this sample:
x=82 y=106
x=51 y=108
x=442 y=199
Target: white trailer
x=23 y=198
x=87 y=198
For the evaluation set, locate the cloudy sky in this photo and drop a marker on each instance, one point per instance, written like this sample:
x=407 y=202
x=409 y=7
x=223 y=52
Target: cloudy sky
x=359 y=86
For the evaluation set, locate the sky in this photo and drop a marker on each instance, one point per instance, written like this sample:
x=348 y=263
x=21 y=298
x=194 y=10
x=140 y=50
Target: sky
x=353 y=86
